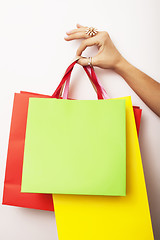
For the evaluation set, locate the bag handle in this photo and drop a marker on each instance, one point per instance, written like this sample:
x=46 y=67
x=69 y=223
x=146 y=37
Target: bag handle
x=91 y=75
x=66 y=77
x=105 y=95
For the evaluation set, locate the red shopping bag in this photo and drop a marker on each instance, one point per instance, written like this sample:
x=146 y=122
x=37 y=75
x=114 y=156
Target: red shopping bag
x=12 y=185
x=137 y=114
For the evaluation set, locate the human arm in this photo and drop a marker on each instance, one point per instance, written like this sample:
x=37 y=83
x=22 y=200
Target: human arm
x=144 y=86
x=108 y=57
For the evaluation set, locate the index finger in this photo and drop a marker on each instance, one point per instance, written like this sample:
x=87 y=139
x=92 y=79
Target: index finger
x=76 y=35
x=86 y=43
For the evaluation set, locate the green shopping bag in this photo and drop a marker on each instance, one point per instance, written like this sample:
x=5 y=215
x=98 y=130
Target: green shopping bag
x=75 y=146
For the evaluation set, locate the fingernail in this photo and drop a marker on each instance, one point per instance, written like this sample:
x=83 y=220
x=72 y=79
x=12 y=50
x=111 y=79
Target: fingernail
x=68 y=32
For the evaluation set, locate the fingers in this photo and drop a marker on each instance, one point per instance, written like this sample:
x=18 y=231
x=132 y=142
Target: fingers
x=86 y=43
x=84 y=61
x=79 y=26
x=81 y=29
x=78 y=33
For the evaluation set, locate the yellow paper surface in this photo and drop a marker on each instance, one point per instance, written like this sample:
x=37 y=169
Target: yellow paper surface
x=105 y=217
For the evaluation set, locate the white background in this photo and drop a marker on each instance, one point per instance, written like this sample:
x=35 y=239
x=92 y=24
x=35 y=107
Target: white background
x=34 y=56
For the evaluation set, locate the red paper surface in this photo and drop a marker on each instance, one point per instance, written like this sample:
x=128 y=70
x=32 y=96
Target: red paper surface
x=137 y=115
x=12 y=185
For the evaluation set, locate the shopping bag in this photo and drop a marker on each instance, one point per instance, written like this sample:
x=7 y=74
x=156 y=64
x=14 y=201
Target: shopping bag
x=12 y=184
x=107 y=217
x=75 y=147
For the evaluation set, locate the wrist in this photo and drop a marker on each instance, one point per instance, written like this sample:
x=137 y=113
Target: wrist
x=121 y=66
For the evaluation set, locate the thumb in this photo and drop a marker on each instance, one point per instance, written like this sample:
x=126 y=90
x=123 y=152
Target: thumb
x=85 y=61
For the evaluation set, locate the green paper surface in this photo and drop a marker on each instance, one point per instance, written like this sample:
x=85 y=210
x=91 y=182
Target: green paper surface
x=75 y=147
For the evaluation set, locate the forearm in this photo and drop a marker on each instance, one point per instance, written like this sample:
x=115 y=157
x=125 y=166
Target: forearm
x=144 y=86
x=108 y=57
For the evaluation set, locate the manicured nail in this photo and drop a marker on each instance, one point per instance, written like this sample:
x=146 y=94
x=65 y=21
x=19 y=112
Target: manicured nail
x=66 y=37
x=68 y=32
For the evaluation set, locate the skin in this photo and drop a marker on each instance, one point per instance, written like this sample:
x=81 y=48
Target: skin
x=108 y=57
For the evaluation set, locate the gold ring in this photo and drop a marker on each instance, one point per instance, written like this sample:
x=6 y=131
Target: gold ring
x=90 y=61
x=91 y=31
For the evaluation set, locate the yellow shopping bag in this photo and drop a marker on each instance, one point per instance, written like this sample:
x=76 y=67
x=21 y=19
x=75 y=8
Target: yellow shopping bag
x=105 y=217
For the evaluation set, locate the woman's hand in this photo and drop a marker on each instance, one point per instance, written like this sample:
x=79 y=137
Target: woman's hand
x=107 y=57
